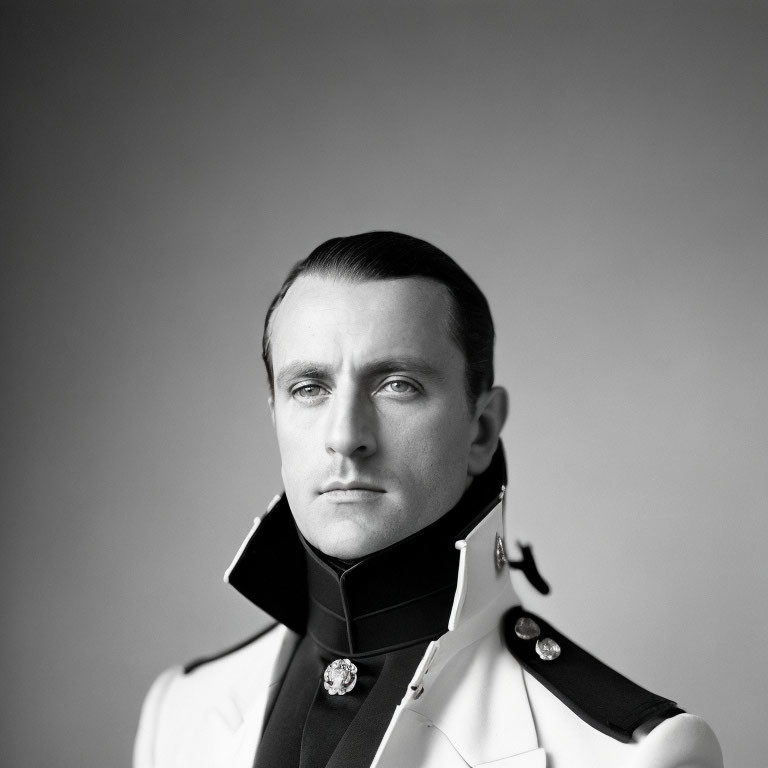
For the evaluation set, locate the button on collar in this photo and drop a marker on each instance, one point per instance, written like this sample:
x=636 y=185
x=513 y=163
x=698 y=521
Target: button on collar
x=340 y=677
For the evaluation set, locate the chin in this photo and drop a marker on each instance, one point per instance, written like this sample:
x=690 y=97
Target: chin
x=348 y=542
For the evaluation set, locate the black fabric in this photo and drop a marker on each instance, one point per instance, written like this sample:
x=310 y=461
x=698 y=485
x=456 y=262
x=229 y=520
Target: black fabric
x=598 y=694
x=271 y=573
x=280 y=744
x=358 y=746
x=308 y=728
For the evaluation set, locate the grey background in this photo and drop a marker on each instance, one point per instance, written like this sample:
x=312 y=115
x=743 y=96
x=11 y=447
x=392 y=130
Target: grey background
x=599 y=168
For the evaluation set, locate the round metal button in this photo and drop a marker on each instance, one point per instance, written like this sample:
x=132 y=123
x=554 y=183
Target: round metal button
x=547 y=649
x=526 y=628
x=340 y=677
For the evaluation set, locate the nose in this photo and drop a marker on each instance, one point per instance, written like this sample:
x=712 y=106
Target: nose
x=351 y=426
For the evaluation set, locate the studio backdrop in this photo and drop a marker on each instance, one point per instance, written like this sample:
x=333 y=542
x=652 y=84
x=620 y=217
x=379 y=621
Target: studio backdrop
x=599 y=168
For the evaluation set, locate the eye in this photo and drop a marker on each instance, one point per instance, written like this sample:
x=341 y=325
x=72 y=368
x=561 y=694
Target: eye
x=399 y=387
x=308 y=392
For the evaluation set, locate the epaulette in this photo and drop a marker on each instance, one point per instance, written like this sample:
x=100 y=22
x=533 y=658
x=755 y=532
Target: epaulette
x=599 y=695
x=203 y=660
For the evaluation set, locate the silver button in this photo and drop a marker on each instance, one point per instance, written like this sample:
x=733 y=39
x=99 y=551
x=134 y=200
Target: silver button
x=547 y=649
x=526 y=629
x=340 y=677
x=500 y=554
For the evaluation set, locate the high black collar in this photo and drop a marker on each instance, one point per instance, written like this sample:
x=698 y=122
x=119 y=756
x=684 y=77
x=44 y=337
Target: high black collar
x=398 y=596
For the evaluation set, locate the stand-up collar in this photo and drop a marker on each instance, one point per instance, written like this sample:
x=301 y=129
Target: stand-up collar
x=390 y=599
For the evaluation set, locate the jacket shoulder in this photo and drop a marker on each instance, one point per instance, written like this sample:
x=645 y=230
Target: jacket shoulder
x=221 y=686
x=204 y=660
x=685 y=740
x=144 y=745
x=592 y=690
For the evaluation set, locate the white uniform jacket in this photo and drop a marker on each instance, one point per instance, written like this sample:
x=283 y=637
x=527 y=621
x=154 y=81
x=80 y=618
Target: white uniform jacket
x=470 y=702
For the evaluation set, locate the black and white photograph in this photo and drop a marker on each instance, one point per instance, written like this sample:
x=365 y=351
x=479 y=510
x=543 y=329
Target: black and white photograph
x=384 y=384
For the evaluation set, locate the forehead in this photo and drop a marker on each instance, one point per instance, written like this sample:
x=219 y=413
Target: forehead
x=336 y=319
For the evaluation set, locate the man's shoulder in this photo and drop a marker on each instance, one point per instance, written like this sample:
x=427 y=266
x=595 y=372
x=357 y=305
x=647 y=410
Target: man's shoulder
x=184 y=702
x=576 y=698
x=221 y=674
x=594 y=691
x=232 y=655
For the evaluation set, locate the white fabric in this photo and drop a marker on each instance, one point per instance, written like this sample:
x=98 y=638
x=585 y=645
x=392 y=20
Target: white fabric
x=469 y=703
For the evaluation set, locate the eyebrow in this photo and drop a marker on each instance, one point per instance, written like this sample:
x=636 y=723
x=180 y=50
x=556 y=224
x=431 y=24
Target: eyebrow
x=307 y=369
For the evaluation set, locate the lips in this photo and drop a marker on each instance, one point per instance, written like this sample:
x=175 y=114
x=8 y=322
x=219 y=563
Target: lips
x=352 y=496
x=350 y=485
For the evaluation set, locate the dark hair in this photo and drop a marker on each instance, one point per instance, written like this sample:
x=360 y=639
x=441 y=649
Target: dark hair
x=392 y=255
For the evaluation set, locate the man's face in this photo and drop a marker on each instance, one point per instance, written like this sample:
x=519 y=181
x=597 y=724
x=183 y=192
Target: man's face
x=370 y=409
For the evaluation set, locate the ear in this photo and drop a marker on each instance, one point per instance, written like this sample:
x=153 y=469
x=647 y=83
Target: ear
x=490 y=415
x=271 y=401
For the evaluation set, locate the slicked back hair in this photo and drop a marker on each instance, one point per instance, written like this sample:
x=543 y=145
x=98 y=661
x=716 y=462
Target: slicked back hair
x=392 y=256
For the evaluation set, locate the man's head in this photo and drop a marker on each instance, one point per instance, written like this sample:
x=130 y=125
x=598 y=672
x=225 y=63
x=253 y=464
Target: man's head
x=392 y=256
x=379 y=352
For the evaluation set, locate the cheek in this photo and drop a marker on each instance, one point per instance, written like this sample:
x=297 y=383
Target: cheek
x=432 y=454
x=437 y=434
x=297 y=455
x=294 y=430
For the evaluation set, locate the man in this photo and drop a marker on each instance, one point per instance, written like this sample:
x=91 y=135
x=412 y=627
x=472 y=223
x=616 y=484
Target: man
x=399 y=641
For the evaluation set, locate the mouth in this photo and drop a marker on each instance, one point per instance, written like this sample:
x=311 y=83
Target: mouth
x=352 y=495
x=353 y=491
